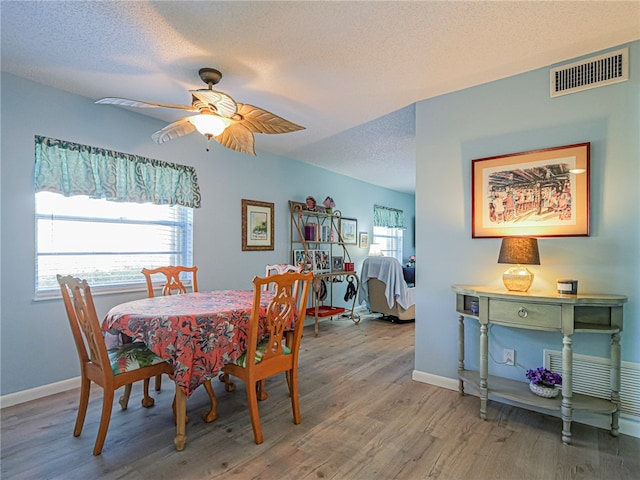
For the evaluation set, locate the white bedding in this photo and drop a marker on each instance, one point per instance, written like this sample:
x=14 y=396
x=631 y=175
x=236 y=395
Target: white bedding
x=389 y=271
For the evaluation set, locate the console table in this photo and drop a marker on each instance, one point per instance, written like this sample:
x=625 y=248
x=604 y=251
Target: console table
x=547 y=311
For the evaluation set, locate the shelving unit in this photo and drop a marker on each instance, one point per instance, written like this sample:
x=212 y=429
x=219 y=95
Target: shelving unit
x=546 y=311
x=317 y=245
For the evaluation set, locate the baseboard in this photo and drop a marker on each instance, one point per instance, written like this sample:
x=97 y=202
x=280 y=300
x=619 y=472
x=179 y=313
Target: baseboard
x=629 y=424
x=38 y=392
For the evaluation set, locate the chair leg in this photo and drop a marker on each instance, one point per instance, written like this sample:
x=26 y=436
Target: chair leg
x=147 y=401
x=211 y=415
x=124 y=399
x=158 y=382
x=107 y=404
x=252 y=399
x=262 y=392
x=229 y=386
x=85 y=388
x=295 y=401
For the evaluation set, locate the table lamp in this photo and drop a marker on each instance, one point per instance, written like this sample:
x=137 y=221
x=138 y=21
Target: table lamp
x=519 y=251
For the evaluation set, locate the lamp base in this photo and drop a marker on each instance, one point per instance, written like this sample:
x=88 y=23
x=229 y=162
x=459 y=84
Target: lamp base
x=517 y=279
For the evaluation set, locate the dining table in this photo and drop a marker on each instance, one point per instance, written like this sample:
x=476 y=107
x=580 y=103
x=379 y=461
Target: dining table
x=197 y=333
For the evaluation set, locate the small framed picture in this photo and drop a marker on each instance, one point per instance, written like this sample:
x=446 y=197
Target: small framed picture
x=363 y=240
x=321 y=261
x=348 y=230
x=301 y=258
x=337 y=264
x=257 y=225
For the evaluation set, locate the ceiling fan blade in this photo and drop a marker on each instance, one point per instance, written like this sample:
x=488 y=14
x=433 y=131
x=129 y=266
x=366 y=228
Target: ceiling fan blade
x=174 y=130
x=126 y=102
x=237 y=137
x=261 y=121
x=222 y=103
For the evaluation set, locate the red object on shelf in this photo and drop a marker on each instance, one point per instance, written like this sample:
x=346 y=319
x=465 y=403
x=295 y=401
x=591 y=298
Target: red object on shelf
x=324 y=311
x=349 y=266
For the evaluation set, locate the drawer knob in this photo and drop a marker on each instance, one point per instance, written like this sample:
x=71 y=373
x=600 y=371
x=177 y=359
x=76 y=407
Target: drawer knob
x=522 y=312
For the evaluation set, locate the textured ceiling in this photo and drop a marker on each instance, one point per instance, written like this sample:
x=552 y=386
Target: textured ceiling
x=349 y=72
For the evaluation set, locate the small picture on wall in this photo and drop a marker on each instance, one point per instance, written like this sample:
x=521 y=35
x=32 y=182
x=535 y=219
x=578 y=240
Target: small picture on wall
x=363 y=240
x=348 y=230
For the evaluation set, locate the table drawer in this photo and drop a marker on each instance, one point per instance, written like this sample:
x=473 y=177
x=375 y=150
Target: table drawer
x=526 y=314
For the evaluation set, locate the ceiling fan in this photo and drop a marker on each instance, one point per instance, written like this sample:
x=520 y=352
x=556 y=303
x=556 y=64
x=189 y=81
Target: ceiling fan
x=219 y=116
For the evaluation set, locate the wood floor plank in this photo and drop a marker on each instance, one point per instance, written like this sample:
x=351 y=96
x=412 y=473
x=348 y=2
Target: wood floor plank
x=362 y=418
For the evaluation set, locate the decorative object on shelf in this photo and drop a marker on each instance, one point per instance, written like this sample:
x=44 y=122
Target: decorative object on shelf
x=543 y=382
x=412 y=261
x=337 y=264
x=520 y=251
x=537 y=193
x=363 y=240
x=230 y=124
x=257 y=225
x=329 y=204
x=310 y=203
x=475 y=307
x=567 y=287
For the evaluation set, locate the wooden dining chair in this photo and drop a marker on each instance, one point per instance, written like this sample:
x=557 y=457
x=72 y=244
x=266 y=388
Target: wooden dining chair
x=279 y=268
x=171 y=277
x=267 y=352
x=173 y=285
x=110 y=369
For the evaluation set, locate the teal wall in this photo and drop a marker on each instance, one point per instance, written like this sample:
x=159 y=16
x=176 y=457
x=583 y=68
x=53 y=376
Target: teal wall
x=512 y=115
x=36 y=346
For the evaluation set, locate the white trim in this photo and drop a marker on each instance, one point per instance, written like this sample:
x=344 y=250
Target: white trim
x=39 y=392
x=629 y=424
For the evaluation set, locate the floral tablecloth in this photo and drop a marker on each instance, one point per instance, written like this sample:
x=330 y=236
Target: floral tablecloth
x=196 y=332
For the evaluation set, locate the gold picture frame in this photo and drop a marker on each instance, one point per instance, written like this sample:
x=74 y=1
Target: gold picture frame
x=257 y=225
x=541 y=193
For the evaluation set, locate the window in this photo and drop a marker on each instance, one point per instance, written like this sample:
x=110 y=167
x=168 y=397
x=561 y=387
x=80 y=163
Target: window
x=389 y=241
x=388 y=228
x=107 y=243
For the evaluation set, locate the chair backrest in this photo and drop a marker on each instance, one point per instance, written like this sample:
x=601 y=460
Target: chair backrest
x=172 y=279
x=282 y=268
x=287 y=306
x=279 y=268
x=85 y=326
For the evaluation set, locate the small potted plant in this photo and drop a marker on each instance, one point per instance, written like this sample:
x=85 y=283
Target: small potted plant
x=412 y=261
x=543 y=382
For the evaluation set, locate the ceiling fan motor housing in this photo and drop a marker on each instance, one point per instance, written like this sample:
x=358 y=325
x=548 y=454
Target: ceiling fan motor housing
x=210 y=76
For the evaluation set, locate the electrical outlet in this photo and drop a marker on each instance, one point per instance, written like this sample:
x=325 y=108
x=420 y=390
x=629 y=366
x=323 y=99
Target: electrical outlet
x=509 y=356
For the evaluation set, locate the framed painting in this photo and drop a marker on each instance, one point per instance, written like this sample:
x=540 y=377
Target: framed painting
x=257 y=225
x=348 y=230
x=363 y=240
x=541 y=193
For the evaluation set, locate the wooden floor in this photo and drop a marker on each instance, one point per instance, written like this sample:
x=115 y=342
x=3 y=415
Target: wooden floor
x=362 y=418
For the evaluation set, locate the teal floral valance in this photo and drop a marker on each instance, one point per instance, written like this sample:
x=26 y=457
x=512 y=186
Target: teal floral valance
x=73 y=169
x=388 y=217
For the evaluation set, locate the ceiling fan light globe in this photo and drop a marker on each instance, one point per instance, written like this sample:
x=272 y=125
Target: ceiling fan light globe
x=209 y=125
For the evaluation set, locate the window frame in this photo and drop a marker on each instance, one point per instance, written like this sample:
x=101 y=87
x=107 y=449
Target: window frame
x=179 y=218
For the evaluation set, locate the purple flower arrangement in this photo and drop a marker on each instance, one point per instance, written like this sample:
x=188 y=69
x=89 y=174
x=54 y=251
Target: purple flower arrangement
x=542 y=376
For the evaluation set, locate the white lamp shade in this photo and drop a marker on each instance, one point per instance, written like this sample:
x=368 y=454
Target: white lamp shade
x=209 y=125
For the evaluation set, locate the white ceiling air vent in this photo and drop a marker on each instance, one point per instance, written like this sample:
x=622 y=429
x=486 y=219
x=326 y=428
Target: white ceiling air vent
x=612 y=67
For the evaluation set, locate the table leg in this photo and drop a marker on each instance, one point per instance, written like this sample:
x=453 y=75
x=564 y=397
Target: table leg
x=615 y=382
x=181 y=415
x=567 y=389
x=460 y=354
x=484 y=370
